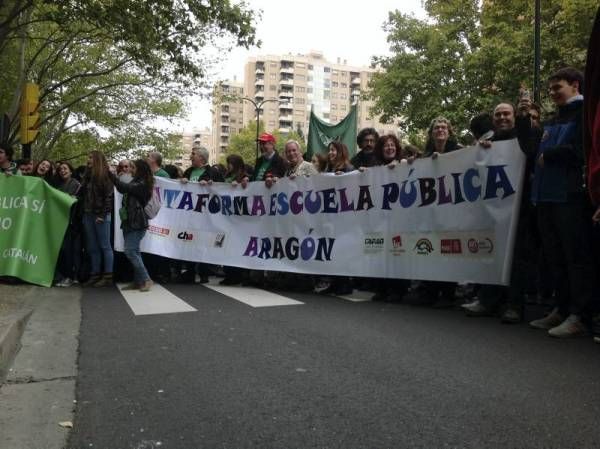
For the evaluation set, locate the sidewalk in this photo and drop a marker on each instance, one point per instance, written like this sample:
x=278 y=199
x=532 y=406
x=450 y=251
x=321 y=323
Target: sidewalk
x=38 y=391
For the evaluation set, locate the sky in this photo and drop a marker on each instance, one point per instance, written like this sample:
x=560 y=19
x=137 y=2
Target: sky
x=350 y=30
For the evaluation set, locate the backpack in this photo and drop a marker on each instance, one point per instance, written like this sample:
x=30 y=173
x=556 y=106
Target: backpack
x=152 y=207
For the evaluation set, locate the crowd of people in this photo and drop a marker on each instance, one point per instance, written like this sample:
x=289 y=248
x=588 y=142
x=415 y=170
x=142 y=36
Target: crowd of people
x=554 y=262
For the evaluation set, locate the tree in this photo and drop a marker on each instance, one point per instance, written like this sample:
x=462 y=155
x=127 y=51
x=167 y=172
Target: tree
x=468 y=55
x=107 y=77
x=244 y=142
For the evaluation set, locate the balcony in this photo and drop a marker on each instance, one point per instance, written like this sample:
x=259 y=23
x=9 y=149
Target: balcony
x=288 y=105
x=286 y=118
x=259 y=94
x=355 y=92
x=355 y=80
x=224 y=113
x=286 y=94
x=287 y=70
x=259 y=82
x=285 y=130
x=224 y=132
x=286 y=82
x=259 y=70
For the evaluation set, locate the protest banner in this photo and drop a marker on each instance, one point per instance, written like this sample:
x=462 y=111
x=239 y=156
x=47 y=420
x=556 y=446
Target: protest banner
x=33 y=221
x=449 y=219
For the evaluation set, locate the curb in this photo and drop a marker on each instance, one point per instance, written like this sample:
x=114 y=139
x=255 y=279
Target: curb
x=10 y=339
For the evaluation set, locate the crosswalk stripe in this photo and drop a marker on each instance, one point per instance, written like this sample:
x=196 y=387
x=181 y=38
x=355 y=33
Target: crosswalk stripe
x=156 y=301
x=254 y=297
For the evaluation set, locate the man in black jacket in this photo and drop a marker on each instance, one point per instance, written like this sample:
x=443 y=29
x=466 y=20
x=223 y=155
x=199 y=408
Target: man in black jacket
x=366 y=140
x=269 y=166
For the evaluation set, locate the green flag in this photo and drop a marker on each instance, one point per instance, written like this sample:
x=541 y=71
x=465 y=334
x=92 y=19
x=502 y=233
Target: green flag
x=321 y=133
x=33 y=221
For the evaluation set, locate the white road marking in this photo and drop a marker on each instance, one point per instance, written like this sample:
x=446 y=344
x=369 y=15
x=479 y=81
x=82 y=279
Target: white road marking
x=358 y=296
x=158 y=300
x=254 y=297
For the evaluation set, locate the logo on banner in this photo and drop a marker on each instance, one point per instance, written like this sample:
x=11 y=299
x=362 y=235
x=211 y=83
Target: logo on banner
x=397 y=248
x=480 y=245
x=373 y=243
x=423 y=247
x=450 y=246
x=219 y=240
x=185 y=236
x=157 y=230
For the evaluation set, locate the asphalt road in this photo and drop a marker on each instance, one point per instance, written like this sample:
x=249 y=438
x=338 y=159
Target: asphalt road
x=328 y=373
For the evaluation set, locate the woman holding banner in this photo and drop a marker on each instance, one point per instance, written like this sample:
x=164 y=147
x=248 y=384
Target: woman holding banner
x=134 y=222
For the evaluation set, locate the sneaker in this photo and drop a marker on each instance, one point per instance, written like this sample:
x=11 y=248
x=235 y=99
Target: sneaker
x=511 y=316
x=146 y=286
x=132 y=286
x=551 y=320
x=477 y=309
x=66 y=282
x=571 y=327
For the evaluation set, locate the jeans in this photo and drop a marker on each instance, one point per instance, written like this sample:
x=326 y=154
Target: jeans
x=97 y=239
x=132 y=252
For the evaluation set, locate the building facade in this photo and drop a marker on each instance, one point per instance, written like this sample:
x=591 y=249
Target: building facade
x=227 y=116
x=288 y=86
x=189 y=140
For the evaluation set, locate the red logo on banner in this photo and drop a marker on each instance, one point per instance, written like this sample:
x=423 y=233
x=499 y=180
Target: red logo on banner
x=451 y=246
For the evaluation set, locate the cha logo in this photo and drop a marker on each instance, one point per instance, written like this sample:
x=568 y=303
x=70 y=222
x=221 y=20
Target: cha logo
x=423 y=247
x=185 y=236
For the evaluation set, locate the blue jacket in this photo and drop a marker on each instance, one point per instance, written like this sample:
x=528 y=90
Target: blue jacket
x=562 y=147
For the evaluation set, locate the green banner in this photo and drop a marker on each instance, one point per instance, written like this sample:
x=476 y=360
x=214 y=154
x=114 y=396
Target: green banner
x=320 y=134
x=33 y=221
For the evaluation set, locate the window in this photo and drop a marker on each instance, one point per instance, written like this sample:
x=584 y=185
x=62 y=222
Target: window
x=271 y=124
x=343 y=107
x=299 y=100
x=334 y=95
x=343 y=85
x=273 y=64
x=309 y=90
x=334 y=84
x=327 y=69
x=333 y=107
x=300 y=77
x=343 y=96
x=334 y=72
x=327 y=84
x=334 y=118
x=309 y=78
x=300 y=65
x=326 y=94
x=272 y=87
x=345 y=74
x=272 y=76
x=310 y=66
x=300 y=89
x=241 y=122
x=326 y=115
x=299 y=113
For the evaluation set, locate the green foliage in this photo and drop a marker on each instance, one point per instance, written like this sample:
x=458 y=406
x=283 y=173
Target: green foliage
x=244 y=143
x=111 y=73
x=469 y=55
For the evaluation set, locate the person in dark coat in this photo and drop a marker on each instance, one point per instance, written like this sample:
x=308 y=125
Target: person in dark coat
x=134 y=222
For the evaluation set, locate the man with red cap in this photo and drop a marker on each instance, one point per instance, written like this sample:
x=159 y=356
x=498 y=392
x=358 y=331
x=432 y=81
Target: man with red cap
x=269 y=166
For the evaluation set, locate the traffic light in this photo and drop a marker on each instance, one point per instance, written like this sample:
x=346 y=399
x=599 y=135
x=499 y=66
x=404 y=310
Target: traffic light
x=30 y=117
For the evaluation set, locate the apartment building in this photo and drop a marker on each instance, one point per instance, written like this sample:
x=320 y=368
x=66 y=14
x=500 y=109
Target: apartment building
x=190 y=139
x=295 y=82
x=285 y=87
x=227 y=115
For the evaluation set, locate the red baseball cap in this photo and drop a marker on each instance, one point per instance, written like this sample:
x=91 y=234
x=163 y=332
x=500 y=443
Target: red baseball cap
x=266 y=137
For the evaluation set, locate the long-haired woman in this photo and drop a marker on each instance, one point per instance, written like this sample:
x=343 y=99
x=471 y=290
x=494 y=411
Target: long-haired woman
x=45 y=169
x=338 y=161
x=236 y=169
x=134 y=222
x=97 y=195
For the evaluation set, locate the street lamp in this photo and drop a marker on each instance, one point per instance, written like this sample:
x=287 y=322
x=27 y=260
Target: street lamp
x=257 y=108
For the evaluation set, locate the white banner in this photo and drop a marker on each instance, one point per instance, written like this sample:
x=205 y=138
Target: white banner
x=449 y=219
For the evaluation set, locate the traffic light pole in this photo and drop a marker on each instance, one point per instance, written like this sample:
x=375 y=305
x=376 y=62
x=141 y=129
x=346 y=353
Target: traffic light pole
x=26 y=151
